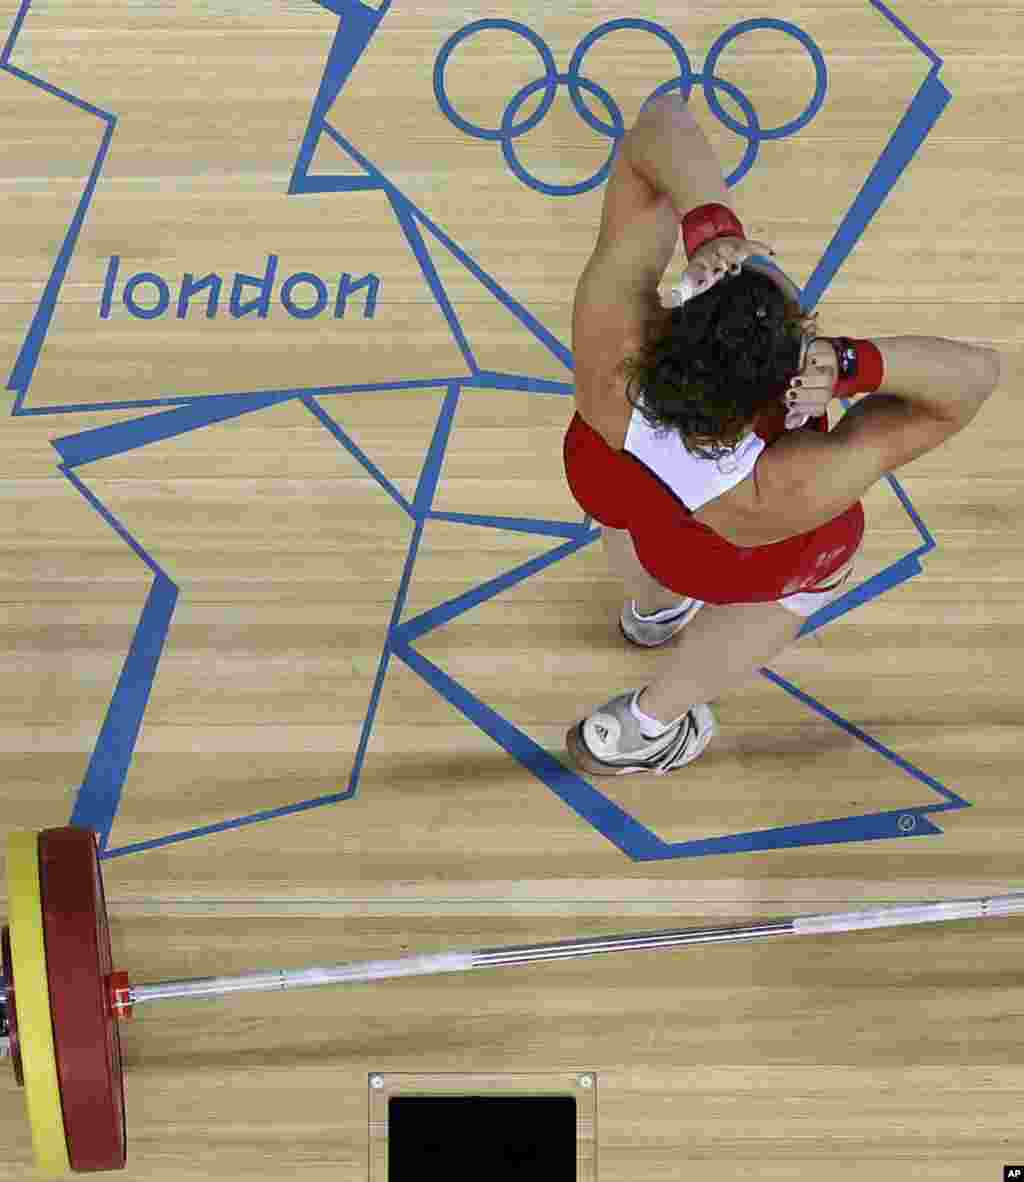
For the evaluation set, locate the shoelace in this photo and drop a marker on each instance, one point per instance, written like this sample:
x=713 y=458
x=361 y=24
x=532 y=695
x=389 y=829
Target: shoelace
x=676 y=746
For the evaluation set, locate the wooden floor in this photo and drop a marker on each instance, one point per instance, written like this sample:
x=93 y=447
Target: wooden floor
x=305 y=655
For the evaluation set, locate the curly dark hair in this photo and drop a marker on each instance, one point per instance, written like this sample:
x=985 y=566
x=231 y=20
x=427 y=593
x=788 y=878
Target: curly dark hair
x=728 y=354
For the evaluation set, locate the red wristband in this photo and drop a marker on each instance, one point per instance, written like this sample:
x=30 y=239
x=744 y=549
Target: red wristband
x=707 y=222
x=861 y=368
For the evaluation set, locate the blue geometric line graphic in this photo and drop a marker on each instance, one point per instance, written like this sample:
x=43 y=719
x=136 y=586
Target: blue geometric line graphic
x=415 y=240
x=358 y=26
x=916 y=41
x=28 y=355
x=19 y=20
x=914 y=128
x=100 y=443
x=99 y=797
x=356 y=452
x=401 y=203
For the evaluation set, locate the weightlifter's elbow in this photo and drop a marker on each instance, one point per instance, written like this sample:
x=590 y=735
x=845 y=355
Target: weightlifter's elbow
x=994 y=363
x=997 y=367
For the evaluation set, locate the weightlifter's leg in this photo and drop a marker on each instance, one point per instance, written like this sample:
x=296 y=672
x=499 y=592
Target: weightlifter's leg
x=721 y=648
x=649 y=594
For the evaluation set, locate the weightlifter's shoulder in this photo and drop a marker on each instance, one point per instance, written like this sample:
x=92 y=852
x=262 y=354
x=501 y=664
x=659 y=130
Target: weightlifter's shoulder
x=807 y=478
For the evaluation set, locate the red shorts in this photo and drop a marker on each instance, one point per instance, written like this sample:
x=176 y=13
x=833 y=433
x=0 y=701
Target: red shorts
x=685 y=555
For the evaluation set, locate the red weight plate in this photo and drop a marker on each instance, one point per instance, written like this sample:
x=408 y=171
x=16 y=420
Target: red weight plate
x=11 y=1005
x=78 y=967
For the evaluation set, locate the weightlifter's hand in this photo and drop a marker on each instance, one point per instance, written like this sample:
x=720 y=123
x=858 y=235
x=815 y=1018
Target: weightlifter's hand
x=811 y=390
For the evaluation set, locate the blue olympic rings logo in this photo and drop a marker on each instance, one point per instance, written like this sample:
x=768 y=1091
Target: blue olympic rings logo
x=510 y=130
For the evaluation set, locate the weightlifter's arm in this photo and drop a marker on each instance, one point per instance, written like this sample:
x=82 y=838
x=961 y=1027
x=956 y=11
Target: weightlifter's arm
x=949 y=379
x=667 y=147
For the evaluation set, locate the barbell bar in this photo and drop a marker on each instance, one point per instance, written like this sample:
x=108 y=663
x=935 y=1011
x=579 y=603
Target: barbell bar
x=61 y=1000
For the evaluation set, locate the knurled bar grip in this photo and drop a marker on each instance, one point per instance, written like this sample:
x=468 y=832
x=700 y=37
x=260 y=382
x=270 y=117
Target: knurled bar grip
x=459 y=962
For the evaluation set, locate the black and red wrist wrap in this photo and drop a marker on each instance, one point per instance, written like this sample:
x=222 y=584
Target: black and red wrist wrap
x=707 y=222
x=861 y=368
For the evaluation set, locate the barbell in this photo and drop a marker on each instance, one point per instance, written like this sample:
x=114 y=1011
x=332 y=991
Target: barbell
x=61 y=1000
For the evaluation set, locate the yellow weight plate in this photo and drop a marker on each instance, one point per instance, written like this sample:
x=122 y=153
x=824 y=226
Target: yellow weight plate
x=32 y=997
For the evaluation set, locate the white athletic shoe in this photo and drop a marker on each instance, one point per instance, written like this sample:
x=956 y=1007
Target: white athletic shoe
x=651 y=633
x=609 y=742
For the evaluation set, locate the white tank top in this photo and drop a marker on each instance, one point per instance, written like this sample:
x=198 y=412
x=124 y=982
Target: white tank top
x=695 y=481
